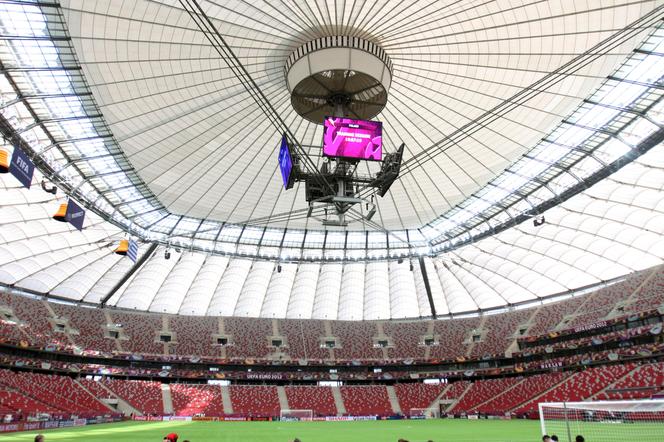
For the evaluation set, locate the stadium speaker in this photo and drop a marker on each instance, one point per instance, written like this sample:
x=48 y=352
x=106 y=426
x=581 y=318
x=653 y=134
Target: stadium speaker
x=279 y=268
x=538 y=221
x=60 y=214
x=4 y=161
x=52 y=190
x=123 y=247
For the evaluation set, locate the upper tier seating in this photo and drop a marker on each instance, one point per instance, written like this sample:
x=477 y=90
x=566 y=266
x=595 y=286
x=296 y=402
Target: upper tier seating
x=141 y=331
x=597 y=305
x=35 y=316
x=250 y=337
x=356 y=340
x=501 y=331
x=370 y=400
x=318 y=399
x=406 y=338
x=649 y=296
x=89 y=322
x=451 y=335
x=303 y=337
x=549 y=316
x=641 y=291
x=194 y=335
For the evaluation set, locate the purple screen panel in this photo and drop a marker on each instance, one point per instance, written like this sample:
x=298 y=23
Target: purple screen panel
x=348 y=138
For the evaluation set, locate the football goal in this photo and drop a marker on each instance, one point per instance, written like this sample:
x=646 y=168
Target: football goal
x=296 y=415
x=423 y=413
x=637 y=420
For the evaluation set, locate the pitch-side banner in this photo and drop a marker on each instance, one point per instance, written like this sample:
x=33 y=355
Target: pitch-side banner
x=75 y=215
x=22 y=167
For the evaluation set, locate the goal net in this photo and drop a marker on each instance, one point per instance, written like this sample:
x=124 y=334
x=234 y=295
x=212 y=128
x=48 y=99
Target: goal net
x=423 y=413
x=296 y=415
x=638 y=420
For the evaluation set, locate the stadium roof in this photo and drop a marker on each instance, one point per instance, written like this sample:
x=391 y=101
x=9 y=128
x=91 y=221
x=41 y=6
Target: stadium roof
x=508 y=111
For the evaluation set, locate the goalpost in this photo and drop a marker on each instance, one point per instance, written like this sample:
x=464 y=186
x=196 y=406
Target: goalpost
x=637 y=420
x=423 y=413
x=296 y=415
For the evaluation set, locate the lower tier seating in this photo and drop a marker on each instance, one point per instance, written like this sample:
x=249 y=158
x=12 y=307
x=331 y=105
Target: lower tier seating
x=317 y=399
x=483 y=391
x=191 y=400
x=366 y=400
x=25 y=393
x=254 y=400
x=417 y=395
x=144 y=396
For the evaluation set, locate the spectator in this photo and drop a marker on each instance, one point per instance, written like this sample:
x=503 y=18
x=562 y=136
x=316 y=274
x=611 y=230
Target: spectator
x=580 y=438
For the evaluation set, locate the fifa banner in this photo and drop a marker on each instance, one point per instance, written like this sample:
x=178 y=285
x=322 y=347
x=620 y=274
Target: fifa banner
x=75 y=215
x=22 y=167
x=132 y=250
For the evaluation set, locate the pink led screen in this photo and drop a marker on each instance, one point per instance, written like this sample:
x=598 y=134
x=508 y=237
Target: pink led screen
x=348 y=138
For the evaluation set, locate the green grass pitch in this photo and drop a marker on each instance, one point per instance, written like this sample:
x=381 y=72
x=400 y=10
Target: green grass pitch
x=366 y=431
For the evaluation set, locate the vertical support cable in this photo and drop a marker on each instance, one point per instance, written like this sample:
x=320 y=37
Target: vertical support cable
x=427 y=286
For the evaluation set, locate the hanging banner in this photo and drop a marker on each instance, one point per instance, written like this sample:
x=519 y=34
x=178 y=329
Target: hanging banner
x=75 y=215
x=132 y=251
x=22 y=167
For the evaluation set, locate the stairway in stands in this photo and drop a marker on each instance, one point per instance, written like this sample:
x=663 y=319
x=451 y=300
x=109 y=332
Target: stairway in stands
x=283 y=399
x=226 y=400
x=167 y=399
x=338 y=401
x=612 y=384
x=394 y=401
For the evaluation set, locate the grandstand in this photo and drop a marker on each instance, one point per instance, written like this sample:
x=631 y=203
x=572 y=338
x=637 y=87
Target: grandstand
x=314 y=212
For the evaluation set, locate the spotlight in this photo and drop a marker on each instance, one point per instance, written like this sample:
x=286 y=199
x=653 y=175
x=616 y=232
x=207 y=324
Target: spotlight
x=539 y=220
